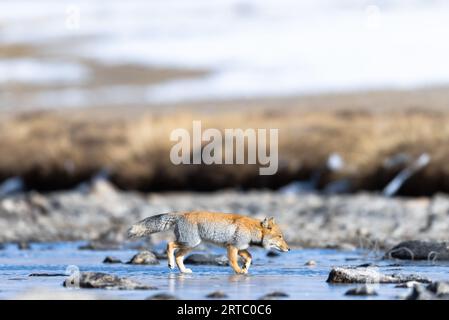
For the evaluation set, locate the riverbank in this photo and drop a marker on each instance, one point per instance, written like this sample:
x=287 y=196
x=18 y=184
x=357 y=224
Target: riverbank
x=101 y=214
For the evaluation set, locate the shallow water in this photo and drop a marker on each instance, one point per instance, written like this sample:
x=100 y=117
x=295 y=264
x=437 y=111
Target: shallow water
x=286 y=273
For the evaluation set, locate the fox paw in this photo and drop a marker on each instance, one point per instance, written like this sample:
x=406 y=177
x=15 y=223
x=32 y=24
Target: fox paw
x=242 y=271
x=186 y=271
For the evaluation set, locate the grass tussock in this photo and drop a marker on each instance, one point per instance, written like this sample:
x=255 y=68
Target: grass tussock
x=53 y=150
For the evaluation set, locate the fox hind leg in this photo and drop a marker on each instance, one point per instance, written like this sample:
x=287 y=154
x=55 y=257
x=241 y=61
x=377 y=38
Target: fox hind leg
x=247 y=257
x=179 y=257
x=233 y=259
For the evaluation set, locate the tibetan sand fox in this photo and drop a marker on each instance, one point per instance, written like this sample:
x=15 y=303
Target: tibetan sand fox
x=232 y=231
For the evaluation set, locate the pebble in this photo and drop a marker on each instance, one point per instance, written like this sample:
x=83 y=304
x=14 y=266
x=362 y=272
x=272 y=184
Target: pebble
x=162 y=296
x=217 y=295
x=144 y=257
x=110 y=259
x=310 y=263
x=274 y=295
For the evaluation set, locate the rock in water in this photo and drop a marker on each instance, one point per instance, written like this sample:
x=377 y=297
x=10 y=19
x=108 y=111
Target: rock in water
x=144 y=257
x=366 y=265
x=310 y=263
x=420 y=250
x=100 y=280
x=273 y=254
x=369 y=275
x=38 y=274
x=274 y=295
x=217 y=295
x=363 y=290
x=162 y=296
x=207 y=259
x=110 y=259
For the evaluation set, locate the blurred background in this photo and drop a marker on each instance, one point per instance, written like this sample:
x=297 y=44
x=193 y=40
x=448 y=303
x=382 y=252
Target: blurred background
x=357 y=88
x=91 y=90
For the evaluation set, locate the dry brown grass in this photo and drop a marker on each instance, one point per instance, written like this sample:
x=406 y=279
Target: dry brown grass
x=59 y=149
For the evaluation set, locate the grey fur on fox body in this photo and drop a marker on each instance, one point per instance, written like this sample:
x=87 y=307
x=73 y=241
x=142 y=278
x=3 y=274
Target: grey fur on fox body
x=233 y=231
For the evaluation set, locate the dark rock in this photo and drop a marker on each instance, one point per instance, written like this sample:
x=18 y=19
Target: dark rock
x=369 y=275
x=363 y=290
x=144 y=257
x=207 y=259
x=420 y=250
x=274 y=295
x=217 y=295
x=273 y=254
x=366 y=265
x=162 y=296
x=110 y=259
x=100 y=280
x=38 y=274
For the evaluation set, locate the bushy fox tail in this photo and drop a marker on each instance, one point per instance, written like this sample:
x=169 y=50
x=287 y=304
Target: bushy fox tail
x=153 y=224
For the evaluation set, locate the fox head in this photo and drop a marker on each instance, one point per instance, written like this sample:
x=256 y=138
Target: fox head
x=272 y=236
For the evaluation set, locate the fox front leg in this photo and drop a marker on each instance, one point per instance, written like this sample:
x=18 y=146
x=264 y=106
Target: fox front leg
x=171 y=246
x=247 y=257
x=233 y=259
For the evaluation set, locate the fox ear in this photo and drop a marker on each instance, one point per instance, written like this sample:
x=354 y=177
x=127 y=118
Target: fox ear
x=268 y=222
x=265 y=223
